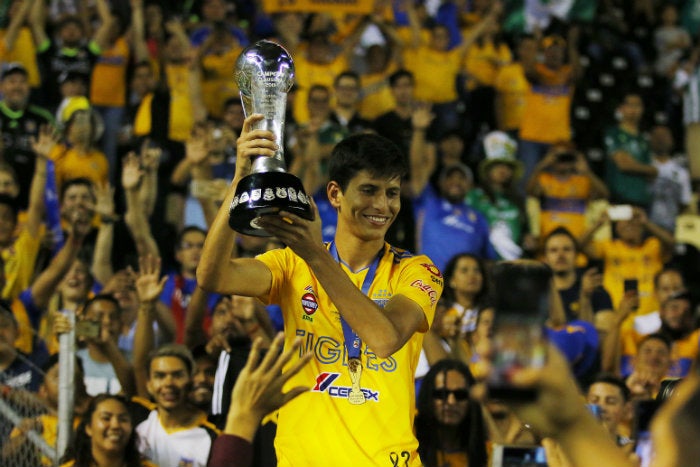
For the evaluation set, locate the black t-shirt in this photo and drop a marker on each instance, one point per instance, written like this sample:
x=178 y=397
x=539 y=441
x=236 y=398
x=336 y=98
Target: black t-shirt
x=54 y=61
x=600 y=300
x=22 y=374
x=17 y=129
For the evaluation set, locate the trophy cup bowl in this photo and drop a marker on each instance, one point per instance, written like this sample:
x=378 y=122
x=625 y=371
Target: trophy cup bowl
x=265 y=74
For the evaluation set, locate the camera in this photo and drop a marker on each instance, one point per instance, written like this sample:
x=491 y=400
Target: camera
x=87 y=329
x=518 y=456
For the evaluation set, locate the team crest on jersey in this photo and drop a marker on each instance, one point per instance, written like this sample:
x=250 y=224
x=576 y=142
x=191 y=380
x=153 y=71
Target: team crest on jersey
x=432 y=269
x=324 y=383
x=309 y=303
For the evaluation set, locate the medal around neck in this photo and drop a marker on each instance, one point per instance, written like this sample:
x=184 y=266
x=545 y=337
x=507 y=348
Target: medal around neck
x=356 y=396
x=265 y=74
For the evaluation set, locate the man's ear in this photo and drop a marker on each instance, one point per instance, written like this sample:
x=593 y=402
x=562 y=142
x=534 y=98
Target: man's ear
x=335 y=194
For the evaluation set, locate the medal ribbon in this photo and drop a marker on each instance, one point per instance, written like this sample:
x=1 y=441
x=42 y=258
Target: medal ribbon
x=353 y=343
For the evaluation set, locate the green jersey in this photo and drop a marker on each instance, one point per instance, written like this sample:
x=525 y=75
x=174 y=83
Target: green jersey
x=625 y=187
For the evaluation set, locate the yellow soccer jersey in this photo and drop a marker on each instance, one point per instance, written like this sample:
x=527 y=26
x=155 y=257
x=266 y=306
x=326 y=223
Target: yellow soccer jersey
x=321 y=427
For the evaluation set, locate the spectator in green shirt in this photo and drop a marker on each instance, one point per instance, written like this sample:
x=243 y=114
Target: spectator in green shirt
x=629 y=169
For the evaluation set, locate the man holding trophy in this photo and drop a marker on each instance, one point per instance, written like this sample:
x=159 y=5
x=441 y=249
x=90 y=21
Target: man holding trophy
x=358 y=305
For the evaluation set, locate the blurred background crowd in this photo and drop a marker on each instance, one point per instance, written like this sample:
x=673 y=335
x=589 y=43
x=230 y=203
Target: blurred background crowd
x=567 y=132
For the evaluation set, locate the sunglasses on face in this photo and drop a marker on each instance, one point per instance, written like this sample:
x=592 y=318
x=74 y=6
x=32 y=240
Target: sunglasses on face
x=443 y=394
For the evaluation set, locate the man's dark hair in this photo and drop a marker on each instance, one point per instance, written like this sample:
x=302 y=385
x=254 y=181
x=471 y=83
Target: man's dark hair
x=319 y=87
x=398 y=74
x=103 y=297
x=232 y=101
x=560 y=231
x=608 y=378
x=373 y=153
x=80 y=181
x=143 y=64
x=10 y=202
x=471 y=429
x=346 y=74
x=185 y=231
x=172 y=350
x=70 y=19
x=664 y=271
x=631 y=92
x=656 y=336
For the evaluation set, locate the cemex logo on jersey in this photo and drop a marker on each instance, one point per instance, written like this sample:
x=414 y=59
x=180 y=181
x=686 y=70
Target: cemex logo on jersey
x=324 y=383
x=309 y=303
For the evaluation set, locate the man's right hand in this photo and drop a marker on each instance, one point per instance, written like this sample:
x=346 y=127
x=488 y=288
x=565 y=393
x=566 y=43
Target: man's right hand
x=251 y=144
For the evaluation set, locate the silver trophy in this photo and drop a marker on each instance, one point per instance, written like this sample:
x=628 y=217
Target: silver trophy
x=265 y=74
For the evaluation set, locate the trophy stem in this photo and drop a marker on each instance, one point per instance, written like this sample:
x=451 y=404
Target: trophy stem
x=267 y=164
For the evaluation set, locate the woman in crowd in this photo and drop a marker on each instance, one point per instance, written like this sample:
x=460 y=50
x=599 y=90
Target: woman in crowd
x=449 y=426
x=465 y=295
x=105 y=437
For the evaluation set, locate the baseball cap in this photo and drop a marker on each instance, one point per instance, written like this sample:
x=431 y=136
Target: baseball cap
x=450 y=169
x=13 y=68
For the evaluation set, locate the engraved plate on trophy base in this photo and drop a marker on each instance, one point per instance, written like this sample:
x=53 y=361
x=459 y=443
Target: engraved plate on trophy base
x=266 y=193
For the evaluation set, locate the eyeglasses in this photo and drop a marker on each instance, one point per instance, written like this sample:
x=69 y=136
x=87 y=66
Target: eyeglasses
x=443 y=394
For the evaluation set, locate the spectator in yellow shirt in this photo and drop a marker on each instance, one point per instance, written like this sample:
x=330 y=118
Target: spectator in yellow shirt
x=511 y=87
x=78 y=156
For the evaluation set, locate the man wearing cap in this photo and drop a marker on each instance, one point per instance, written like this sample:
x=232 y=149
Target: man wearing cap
x=19 y=124
x=446 y=224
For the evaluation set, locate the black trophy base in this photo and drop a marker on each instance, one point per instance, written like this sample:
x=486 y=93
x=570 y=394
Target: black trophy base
x=266 y=193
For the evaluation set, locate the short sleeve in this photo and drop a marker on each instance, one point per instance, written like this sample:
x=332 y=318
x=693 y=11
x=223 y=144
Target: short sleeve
x=279 y=262
x=421 y=281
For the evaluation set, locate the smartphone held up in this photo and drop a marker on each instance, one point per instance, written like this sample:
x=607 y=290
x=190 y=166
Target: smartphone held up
x=522 y=300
